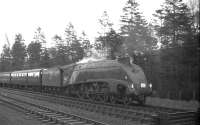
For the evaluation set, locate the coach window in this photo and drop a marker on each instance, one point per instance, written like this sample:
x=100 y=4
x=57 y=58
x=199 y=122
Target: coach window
x=37 y=74
x=33 y=74
x=30 y=74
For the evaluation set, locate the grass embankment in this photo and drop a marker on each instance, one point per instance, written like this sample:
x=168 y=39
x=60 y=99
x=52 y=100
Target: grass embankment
x=177 y=104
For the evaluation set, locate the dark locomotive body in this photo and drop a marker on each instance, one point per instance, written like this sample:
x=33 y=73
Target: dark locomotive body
x=106 y=80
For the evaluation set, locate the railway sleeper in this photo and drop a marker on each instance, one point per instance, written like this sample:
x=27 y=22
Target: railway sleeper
x=57 y=118
x=46 y=120
x=66 y=120
x=77 y=122
x=48 y=115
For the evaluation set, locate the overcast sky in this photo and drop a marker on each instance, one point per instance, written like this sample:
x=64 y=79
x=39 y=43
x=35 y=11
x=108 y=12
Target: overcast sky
x=24 y=16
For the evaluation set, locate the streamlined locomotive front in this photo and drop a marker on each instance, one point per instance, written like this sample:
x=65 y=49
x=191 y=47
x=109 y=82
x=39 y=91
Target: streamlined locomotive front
x=138 y=87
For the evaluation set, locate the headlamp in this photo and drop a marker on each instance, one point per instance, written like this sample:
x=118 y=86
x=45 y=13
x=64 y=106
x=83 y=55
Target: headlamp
x=132 y=86
x=150 y=85
x=142 y=85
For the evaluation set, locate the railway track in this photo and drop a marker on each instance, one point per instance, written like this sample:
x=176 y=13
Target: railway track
x=143 y=114
x=48 y=115
x=136 y=116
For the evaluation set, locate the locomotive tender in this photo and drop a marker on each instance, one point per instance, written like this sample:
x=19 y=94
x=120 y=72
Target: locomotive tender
x=106 y=80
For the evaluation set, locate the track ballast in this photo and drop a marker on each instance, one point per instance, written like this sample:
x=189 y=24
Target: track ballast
x=143 y=114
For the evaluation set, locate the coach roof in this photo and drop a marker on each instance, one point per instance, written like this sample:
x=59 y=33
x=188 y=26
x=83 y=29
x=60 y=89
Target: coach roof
x=31 y=70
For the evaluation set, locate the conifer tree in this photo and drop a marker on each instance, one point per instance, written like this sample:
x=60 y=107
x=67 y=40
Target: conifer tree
x=39 y=37
x=104 y=42
x=176 y=28
x=34 y=51
x=85 y=43
x=45 y=59
x=130 y=11
x=18 y=53
x=135 y=30
x=74 y=49
x=5 y=60
x=61 y=55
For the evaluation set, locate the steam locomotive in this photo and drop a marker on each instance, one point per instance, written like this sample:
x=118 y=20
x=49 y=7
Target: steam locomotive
x=106 y=80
